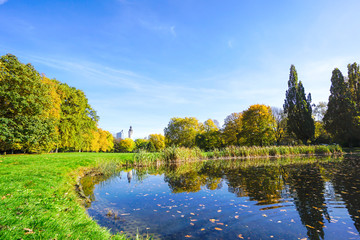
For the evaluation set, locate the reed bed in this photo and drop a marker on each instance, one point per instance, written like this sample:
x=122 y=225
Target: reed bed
x=173 y=154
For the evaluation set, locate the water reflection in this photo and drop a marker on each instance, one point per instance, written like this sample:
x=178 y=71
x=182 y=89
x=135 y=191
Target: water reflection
x=287 y=199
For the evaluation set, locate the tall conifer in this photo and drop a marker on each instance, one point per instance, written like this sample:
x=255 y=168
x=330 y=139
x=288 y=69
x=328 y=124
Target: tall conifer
x=338 y=117
x=298 y=109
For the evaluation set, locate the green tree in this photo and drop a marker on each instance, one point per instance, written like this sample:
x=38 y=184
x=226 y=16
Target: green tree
x=158 y=140
x=182 y=132
x=232 y=129
x=338 y=118
x=77 y=120
x=24 y=101
x=298 y=109
x=141 y=143
x=210 y=137
x=354 y=88
x=258 y=125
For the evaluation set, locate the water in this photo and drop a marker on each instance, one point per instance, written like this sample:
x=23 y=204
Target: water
x=257 y=199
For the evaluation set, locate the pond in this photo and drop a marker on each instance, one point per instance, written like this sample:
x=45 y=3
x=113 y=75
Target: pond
x=310 y=198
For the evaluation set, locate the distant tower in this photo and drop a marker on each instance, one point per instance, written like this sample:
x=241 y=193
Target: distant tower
x=130 y=132
x=120 y=135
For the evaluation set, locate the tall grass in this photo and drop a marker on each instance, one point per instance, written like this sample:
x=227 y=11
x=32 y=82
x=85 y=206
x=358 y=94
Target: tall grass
x=173 y=154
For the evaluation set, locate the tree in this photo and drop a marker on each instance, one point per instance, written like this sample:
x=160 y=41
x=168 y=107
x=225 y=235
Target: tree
x=319 y=111
x=141 y=143
x=24 y=103
x=258 y=125
x=124 y=145
x=232 y=129
x=298 y=109
x=280 y=124
x=210 y=137
x=182 y=132
x=158 y=141
x=354 y=89
x=78 y=120
x=338 y=117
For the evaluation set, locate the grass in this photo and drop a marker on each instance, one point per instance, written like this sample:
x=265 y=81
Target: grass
x=37 y=192
x=38 y=198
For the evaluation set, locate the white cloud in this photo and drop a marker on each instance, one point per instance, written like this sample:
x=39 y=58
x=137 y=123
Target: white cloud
x=3 y=1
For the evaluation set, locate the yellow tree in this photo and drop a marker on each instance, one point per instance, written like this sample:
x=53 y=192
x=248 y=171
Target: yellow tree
x=232 y=129
x=158 y=140
x=258 y=125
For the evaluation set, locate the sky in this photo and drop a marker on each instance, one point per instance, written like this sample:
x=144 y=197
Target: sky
x=140 y=63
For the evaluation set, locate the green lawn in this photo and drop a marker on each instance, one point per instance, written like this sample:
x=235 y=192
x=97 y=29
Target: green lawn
x=38 y=198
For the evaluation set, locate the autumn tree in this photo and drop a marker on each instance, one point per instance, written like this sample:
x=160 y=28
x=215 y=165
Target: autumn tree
x=124 y=145
x=182 y=132
x=232 y=129
x=298 y=109
x=258 y=125
x=210 y=136
x=158 y=141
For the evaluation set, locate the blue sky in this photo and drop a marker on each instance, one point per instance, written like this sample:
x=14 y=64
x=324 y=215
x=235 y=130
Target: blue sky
x=141 y=63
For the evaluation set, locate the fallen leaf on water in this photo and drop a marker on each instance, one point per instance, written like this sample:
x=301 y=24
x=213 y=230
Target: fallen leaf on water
x=264 y=215
x=212 y=220
x=310 y=226
x=218 y=229
x=203 y=229
x=193 y=220
x=237 y=216
x=192 y=224
x=218 y=210
x=240 y=236
x=219 y=223
x=192 y=213
x=188 y=236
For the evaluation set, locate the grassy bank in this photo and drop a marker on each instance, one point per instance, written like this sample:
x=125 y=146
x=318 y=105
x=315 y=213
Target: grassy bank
x=38 y=200
x=173 y=154
x=37 y=192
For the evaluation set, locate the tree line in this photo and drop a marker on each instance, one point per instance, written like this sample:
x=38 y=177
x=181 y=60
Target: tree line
x=38 y=114
x=299 y=122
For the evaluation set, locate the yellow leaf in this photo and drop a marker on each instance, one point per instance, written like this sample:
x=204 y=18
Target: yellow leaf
x=218 y=229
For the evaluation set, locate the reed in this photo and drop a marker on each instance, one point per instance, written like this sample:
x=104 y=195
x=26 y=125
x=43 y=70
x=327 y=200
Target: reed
x=173 y=154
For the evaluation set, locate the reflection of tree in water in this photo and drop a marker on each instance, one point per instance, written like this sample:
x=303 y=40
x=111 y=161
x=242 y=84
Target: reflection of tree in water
x=261 y=184
x=347 y=183
x=308 y=186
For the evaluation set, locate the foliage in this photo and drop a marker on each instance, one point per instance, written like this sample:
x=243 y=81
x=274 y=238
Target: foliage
x=210 y=138
x=339 y=117
x=182 y=132
x=258 y=125
x=126 y=145
x=280 y=125
x=298 y=109
x=38 y=114
x=24 y=103
x=141 y=143
x=232 y=129
x=158 y=141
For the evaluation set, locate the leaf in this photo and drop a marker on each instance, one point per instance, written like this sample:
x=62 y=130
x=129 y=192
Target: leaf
x=218 y=229
x=188 y=236
x=240 y=236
